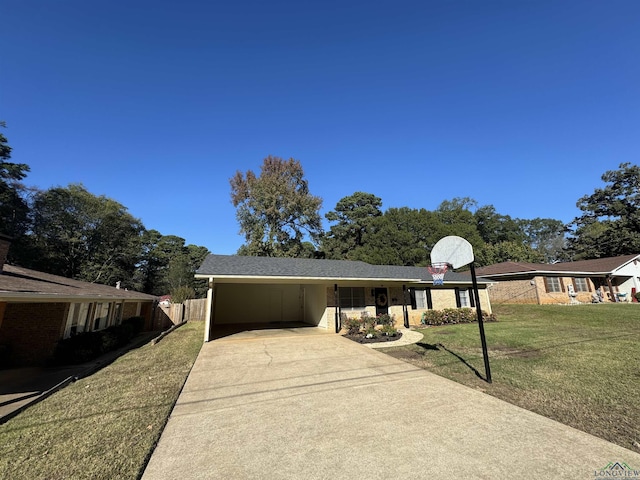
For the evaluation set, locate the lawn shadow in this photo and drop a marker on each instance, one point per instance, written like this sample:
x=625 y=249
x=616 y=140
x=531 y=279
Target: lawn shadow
x=428 y=346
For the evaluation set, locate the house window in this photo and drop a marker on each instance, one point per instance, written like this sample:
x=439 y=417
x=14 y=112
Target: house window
x=421 y=299
x=580 y=285
x=101 y=316
x=352 y=298
x=553 y=284
x=77 y=319
x=464 y=298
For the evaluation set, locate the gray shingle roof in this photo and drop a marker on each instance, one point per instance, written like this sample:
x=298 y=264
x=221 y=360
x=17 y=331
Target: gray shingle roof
x=595 y=266
x=306 y=268
x=22 y=282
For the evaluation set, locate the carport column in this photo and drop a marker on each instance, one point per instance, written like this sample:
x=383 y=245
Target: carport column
x=405 y=312
x=337 y=304
x=207 y=321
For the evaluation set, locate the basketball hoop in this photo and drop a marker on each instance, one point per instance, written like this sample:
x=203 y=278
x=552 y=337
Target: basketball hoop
x=437 y=271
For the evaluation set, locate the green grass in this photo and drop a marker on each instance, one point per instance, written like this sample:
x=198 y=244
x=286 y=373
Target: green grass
x=104 y=426
x=579 y=365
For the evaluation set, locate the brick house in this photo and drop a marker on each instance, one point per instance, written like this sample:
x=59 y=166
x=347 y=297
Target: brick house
x=268 y=290
x=38 y=309
x=612 y=279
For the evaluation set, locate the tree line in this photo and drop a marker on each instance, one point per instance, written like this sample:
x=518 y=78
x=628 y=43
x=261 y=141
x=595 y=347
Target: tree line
x=71 y=232
x=279 y=216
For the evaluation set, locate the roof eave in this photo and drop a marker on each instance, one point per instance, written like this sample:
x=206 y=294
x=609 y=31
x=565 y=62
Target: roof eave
x=32 y=297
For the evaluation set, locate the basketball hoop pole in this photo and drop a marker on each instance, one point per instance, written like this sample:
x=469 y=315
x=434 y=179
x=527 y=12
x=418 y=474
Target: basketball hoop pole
x=485 y=354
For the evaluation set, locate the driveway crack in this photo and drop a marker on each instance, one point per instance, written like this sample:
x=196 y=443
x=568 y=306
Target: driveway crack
x=266 y=351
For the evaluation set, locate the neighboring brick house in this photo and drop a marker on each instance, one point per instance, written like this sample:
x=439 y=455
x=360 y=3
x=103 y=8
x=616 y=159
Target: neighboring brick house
x=38 y=309
x=268 y=290
x=611 y=279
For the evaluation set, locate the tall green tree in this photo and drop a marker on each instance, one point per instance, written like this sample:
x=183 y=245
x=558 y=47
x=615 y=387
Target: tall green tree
x=167 y=265
x=610 y=222
x=80 y=235
x=547 y=237
x=353 y=217
x=401 y=236
x=508 y=251
x=456 y=218
x=275 y=209
x=496 y=228
x=14 y=209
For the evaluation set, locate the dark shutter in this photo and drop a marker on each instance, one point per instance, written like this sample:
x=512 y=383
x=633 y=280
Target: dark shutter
x=458 y=302
x=429 y=299
x=472 y=300
x=412 y=294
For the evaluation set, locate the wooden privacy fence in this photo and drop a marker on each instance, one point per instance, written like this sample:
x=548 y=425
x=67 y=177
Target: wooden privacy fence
x=175 y=313
x=195 y=310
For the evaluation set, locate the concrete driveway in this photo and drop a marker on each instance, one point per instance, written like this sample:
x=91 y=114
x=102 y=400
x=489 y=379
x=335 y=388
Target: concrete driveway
x=290 y=404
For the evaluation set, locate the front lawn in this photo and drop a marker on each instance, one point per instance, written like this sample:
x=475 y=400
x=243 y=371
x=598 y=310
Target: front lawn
x=579 y=365
x=104 y=426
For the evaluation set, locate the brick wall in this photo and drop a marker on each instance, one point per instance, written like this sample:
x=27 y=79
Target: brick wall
x=533 y=291
x=129 y=310
x=31 y=331
x=514 y=291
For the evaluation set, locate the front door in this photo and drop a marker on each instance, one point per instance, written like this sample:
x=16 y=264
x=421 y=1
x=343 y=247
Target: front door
x=382 y=301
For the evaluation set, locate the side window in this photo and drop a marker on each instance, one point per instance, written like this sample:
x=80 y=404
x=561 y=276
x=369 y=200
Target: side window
x=553 y=285
x=581 y=285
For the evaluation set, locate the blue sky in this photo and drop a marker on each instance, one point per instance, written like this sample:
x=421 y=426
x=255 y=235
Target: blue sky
x=518 y=104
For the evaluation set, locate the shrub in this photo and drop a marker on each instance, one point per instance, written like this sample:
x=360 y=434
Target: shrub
x=451 y=316
x=368 y=322
x=389 y=330
x=370 y=331
x=136 y=322
x=352 y=325
x=108 y=340
x=79 y=348
x=89 y=345
x=385 y=319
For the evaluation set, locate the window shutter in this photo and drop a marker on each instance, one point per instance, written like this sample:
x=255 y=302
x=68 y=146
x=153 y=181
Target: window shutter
x=472 y=300
x=546 y=285
x=458 y=302
x=429 y=299
x=561 y=283
x=412 y=294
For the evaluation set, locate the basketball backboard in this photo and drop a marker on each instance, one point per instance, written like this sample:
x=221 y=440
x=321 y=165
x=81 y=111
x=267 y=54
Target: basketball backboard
x=453 y=250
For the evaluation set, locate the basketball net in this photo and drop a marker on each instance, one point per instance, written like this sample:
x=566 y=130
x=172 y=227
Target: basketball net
x=437 y=271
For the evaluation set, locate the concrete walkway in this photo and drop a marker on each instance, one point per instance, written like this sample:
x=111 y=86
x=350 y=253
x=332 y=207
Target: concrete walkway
x=298 y=406
x=408 y=337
